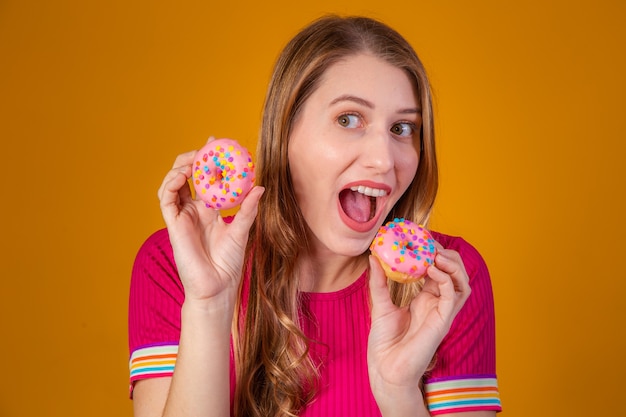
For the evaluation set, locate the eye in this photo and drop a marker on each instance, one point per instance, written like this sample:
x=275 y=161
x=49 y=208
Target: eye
x=350 y=121
x=404 y=129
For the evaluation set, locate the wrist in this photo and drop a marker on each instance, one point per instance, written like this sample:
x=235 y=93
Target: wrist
x=216 y=310
x=401 y=402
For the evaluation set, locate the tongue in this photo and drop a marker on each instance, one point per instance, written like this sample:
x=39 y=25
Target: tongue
x=356 y=205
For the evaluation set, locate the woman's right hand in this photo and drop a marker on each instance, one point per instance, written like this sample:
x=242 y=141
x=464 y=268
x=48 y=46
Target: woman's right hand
x=209 y=252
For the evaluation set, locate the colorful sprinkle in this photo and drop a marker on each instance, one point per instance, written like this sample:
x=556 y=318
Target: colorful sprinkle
x=228 y=167
x=406 y=247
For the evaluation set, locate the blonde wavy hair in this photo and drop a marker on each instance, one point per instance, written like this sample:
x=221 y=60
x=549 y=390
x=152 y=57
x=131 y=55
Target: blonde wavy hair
x=275 y=374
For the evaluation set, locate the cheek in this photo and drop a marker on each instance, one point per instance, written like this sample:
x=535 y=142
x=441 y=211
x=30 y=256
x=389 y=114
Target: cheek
x=296 y=170
x=316 y=159
x=305 y=166
x=406 y=165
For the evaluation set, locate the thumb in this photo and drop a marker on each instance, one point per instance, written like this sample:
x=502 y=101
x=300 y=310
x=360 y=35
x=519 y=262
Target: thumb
x=379 y=291
x=247 y=212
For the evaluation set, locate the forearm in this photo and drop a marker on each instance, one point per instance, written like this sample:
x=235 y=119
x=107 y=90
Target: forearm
x=394 y=403
x=200 y=384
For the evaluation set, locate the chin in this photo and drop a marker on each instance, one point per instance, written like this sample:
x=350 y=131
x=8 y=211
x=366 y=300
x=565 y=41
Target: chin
x=351 y=249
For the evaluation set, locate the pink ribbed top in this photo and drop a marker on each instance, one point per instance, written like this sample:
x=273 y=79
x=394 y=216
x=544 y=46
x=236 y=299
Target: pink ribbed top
x=463 y=378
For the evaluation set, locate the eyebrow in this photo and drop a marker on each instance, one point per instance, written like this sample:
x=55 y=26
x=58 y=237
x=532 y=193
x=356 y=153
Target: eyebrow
x=370 y=105
x=358 y=100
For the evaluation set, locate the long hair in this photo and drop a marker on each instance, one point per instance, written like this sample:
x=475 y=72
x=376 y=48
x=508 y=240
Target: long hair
x=275 y=374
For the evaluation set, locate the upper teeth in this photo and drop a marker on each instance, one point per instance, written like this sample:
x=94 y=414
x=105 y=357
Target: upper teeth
x=370 y=192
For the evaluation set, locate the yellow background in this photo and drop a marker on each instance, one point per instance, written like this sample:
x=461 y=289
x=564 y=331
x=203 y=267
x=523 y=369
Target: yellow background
x=98 y=97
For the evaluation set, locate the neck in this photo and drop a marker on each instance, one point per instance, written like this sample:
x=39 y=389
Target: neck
x=329 y=273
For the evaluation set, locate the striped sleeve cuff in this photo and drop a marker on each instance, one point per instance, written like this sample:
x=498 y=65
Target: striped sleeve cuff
x=152 y=361
x=471 y=393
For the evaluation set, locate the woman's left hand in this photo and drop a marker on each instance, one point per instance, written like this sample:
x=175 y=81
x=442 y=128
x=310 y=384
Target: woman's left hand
x=403 y=341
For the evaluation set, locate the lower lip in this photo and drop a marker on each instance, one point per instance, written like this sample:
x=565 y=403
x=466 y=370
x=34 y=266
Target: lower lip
x=357 y=226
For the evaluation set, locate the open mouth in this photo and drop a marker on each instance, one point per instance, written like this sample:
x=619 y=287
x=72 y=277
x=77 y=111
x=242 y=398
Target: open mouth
x=359 y=203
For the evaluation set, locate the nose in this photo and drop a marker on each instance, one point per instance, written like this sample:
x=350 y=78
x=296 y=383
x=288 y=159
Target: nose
x=377 y=152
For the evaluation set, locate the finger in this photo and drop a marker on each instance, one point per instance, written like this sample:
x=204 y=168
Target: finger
x=184 y=159
x=182 y=163
x=453 y=287
x=379 y=291
x=444 y=290
x=184 y=170
x=247 y=213
x=430 y=286
x=450 y=262
x=169 y=193
x=449 y=259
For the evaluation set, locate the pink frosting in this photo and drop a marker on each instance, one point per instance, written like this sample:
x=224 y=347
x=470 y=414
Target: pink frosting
x=223 y=173
x=406 y=248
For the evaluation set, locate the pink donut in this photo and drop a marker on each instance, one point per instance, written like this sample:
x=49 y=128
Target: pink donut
x=223 y=173
x=405 y=250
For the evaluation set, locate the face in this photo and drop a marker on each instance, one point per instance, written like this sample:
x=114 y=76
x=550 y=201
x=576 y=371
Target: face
x=353 y=152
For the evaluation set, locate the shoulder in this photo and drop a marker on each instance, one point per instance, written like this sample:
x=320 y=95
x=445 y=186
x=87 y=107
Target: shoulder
x=157 y=242
x=155 y=251
x=154 y=267
x=466 y=358
x=155 y=297
x=472 y=259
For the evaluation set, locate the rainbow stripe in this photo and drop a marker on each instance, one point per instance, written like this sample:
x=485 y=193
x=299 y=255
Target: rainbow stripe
x=467 y=394
x=153 y=361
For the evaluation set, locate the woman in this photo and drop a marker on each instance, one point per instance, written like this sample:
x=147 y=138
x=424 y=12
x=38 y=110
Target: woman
x=281 y=311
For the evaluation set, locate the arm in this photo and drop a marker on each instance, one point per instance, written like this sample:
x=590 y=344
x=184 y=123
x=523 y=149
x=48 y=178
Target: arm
x=155 y=300
x=200 y=359
x=463 y=378
x=403 y=341
x=149 y=396
x=209 y=258
x=200 y=382
x=198 y=352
